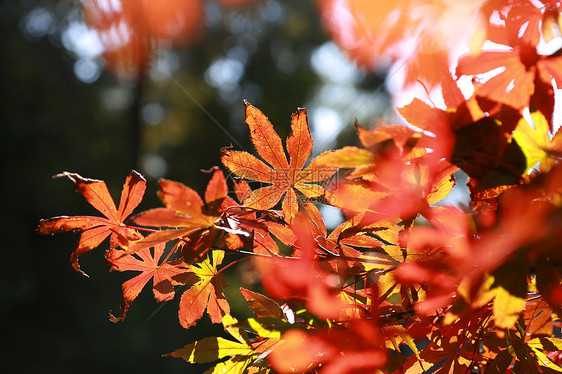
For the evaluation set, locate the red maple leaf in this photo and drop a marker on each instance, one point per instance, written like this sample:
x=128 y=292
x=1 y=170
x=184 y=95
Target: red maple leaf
x=447 y=357
x=286 y=178
x=355 y=348
x=96 y=229
x=526 y=21
x=187 y=217
x=299 y=277
x=164 y=276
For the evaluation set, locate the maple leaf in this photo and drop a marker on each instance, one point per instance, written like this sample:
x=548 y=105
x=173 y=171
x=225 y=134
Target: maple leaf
x=205 y=294
x=96 y=229
x=287 y=178
x=526 y=79
x=244 y=354
x=521 y=21
x=538 y=318
x=536 y=144
x=342 y=239
x=449 y=358
x=472 y=141
x=164 y=276
x=262 y=230
x=393 y=177
x=353 y=348
x=513 y=87
x=401 y=188
x=380 y=143
x=187 y=217
x=210 y=349
x=487 y=155
x=524 y=221
x=262 y=305
x=299 y=277
x=299 y=352
x=429 y=257
x=524 y=233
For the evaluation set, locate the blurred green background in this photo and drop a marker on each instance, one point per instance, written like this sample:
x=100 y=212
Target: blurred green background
x=62 y=111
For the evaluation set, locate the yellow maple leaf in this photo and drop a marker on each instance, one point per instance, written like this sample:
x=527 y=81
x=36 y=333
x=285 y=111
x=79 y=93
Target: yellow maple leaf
x=536 y=143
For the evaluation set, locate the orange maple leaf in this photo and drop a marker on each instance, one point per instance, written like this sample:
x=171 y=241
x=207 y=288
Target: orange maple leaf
x=526 y=79
x=164 y=276
x=286 y=178
x=96 y=229
x=205 y=294
x=393 y=177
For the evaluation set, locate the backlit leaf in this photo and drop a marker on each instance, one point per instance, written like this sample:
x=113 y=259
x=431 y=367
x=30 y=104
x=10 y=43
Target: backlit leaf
x=164 y=276
x=186 y=217
x=346 y=157
x=536 y=143
x=205 y=294
x=507 y=308
x=286 y=179
x=262 y=305
x=210 y=349
x=96 y=229
x=265 y=327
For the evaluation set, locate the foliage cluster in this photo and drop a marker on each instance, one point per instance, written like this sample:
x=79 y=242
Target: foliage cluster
x=405 y=284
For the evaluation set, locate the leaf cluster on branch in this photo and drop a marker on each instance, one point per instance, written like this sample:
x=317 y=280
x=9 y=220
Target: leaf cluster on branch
x=406 y=283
